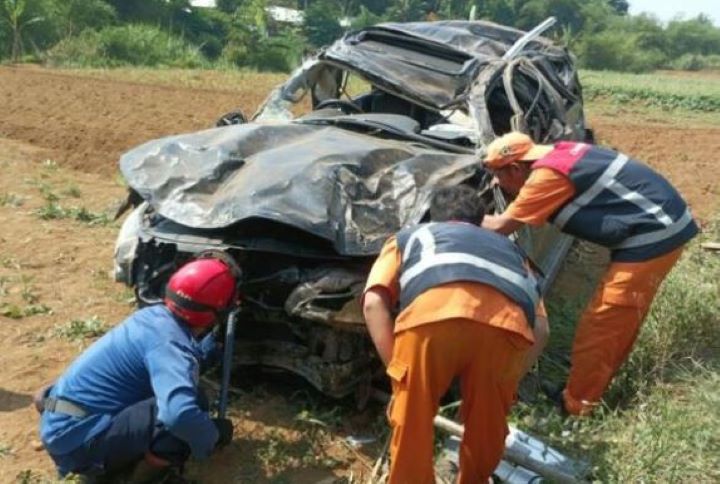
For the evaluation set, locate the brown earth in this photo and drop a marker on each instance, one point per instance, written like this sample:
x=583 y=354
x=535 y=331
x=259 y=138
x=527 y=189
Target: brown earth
x=684 y=154
x=60 y=138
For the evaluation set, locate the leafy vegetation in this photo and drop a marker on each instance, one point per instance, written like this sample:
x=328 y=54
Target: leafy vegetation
x=126 y=45
x=80 y=329
x=245 y=33
x=54 y=211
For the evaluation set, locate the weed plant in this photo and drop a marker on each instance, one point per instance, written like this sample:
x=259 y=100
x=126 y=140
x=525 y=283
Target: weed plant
x=11 y=200
x=81 y=329
x=54 y=211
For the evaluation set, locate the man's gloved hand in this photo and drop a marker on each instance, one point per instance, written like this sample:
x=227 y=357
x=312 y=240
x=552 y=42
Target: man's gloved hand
x=225 y=431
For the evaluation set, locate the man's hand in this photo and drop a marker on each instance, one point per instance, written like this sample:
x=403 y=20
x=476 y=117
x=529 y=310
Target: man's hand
x=39 y=397
x=225 y=431
x=502 y=224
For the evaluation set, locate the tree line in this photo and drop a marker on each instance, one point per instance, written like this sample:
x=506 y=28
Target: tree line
x=244 y=33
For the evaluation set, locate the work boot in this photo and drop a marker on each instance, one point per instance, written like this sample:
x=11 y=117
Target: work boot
x=147 y=473
x=554 y=393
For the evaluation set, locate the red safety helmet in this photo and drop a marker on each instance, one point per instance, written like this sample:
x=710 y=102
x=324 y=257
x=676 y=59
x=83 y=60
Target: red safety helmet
x=202 y=289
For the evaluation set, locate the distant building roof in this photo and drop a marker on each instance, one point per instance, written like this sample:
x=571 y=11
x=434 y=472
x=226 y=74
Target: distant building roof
x=278 y=14
x=203 y=3
x=285 y=15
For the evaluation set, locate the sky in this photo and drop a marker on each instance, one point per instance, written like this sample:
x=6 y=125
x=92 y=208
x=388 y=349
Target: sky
x=666 y=9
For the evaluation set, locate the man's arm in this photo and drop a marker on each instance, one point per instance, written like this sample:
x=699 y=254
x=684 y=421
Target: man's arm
x=543 y=194
x=541 y=331
x=381 y=292
x=379 y=320
x=173 y=371
x=503 y=223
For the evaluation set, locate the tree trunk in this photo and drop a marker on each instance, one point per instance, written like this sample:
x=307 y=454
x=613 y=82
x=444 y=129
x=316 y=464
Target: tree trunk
x=16 y=45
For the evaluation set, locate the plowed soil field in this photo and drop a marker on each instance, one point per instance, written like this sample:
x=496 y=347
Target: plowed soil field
x=61 y=135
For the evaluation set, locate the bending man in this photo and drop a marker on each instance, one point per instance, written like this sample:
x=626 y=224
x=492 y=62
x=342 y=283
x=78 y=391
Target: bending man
x=467 y=303
x=602 y=196
x=131 y=400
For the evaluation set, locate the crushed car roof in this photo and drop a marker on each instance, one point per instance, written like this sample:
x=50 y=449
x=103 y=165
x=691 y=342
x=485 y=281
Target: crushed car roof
x=433 y=63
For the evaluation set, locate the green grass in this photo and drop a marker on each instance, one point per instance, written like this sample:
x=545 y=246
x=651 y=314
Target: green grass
x=673 y=436
x=660 y=421
x=660 y=90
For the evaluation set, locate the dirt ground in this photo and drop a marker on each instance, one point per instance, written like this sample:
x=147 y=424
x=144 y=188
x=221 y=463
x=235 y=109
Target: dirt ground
x=60 y=139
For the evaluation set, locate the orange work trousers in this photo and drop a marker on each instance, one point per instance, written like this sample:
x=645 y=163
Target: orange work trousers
x=609 y=327
x=425 y=360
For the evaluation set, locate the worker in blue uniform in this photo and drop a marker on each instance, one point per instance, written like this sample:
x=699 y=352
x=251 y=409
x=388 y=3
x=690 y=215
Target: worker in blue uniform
x=130 y=404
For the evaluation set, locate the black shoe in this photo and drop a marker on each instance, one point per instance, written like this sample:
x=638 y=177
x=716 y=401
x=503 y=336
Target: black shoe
x=554 y=393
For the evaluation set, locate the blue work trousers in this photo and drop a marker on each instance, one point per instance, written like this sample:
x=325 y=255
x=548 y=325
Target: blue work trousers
x=132 y=433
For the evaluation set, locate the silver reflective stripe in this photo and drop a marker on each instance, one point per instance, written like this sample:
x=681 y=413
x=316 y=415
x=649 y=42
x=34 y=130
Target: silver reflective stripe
x=588 y=195
x=638 y=199
x=58 y=405
x=426 y=239
x=657 y=235
x=528 y=284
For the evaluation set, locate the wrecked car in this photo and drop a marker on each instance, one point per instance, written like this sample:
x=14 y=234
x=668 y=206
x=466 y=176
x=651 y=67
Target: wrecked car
x=303 y=202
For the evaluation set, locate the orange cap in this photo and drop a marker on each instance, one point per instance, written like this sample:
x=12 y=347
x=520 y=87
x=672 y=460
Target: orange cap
x=512 y=147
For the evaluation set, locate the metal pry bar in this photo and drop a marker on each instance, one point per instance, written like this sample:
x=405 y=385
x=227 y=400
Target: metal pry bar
x=227 y=362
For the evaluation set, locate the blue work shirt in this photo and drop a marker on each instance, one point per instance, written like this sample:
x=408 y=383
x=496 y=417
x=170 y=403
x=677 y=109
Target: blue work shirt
x=150 y=354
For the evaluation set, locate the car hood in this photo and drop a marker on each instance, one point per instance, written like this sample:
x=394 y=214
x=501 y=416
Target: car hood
x=347 y=187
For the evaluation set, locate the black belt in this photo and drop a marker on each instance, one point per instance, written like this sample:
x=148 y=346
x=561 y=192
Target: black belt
x=58 y=405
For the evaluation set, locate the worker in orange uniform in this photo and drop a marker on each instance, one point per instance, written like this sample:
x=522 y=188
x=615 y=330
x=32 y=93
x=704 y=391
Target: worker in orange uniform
x=467 y=303
x=602 y=196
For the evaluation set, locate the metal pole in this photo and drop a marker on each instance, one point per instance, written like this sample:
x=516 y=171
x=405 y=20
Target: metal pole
x=512 y=455
x=227 y=362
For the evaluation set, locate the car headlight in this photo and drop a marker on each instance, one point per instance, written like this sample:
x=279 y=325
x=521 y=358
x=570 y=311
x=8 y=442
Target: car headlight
x=126 y=245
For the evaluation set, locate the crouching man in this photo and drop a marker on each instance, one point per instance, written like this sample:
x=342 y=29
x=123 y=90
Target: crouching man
x=467 y=303
x=130 y=404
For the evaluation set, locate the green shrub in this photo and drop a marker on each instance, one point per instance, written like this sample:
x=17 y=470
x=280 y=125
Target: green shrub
x=618 y=51
x=275 y=54
x=146 y=45
x=688 y=62
x=695 y=62
x=140 y=45
x=84 y=49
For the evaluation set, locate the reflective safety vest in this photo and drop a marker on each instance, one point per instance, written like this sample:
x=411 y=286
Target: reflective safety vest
x=619 y=203
x=439 y=253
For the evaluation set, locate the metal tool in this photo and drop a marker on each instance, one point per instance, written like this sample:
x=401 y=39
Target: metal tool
x=227 y=362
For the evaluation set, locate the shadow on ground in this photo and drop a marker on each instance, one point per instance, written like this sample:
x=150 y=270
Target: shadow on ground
x=10 y=401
